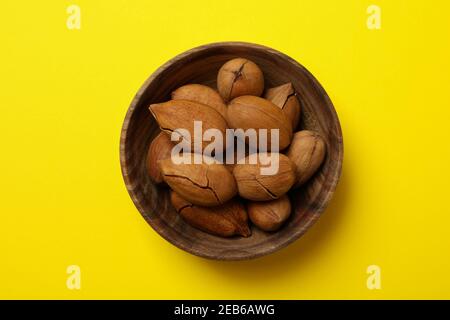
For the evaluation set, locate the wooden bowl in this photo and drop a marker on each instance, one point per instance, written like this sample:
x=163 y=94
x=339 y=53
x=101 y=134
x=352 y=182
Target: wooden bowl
x=200 y=65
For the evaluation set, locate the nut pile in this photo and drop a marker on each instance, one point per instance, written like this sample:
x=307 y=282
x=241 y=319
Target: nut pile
x=221 y=198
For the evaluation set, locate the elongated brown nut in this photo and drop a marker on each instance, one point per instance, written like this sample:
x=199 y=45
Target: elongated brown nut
x=226 y=220
x=269 y=215
x=174 y=115
x=285 y=97
x=253 y=185
x=307 y=151
x=250 y=112
x=201 y=184
x=202 y=94
x=160 y=148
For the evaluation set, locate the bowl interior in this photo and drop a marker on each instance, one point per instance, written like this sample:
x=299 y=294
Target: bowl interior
x=200 y=65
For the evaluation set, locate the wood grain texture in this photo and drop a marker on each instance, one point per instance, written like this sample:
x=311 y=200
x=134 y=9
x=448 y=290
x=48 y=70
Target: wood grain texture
x=200 y=65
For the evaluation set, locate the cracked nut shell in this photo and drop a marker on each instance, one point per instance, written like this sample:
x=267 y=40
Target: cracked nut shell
x=270 y=215
x=202 y=94
x=253 y=185
x=307 y=152
x=201 y=184
x=239 y=77
x=176 y=114
x=250 y=112
x=285 y=97
x=226 y=220
x=160 y=148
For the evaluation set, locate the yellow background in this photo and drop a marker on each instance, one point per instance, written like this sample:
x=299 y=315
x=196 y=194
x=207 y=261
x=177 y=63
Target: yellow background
x=64 y=94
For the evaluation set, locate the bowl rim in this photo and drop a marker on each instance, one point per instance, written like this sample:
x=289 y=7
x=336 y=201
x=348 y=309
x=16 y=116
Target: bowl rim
x=296 y=234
